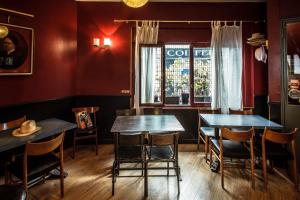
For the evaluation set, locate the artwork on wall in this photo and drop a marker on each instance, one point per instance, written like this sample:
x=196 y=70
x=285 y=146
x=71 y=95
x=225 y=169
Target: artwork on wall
x=16 y=50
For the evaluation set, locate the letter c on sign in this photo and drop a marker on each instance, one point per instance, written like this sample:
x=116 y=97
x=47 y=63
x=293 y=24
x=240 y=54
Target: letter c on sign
x=170 y=52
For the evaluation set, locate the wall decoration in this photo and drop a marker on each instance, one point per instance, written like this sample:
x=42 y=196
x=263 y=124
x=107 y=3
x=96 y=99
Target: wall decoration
x=16 y=50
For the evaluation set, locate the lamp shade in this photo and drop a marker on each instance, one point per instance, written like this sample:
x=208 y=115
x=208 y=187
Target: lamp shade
x=135 y=3
x=3 y=31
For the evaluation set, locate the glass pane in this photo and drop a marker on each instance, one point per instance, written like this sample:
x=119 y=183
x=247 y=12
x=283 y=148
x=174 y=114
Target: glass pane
x=177 y=70
x=151 y=75
x=202 y=75
x=293 y=62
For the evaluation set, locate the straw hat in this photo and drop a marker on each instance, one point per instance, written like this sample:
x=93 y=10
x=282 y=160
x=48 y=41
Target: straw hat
x=256 y=36
x=27 y=128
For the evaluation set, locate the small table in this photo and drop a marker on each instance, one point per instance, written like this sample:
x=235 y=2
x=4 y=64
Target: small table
x=50 y=127
x=146 y=123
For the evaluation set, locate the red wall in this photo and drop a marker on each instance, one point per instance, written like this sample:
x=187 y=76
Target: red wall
x=277 y=9
x=107 y=72
x=55 y=26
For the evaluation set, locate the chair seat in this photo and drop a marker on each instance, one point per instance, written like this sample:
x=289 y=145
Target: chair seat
x=37 y=165
x=232 y=149
x=84 y=132
x=160 y=152
x=12 y=192
x=130 y=153
x=208 y=131
x=278 y=152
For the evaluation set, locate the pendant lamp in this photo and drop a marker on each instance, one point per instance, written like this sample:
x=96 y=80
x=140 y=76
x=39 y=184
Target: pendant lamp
x=135 y=3
x=3 y=31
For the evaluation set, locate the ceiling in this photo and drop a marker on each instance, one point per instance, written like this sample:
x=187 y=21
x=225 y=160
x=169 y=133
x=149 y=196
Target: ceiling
x=180 y=0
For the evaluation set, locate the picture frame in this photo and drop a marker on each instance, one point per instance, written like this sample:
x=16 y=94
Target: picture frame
x=16 y=51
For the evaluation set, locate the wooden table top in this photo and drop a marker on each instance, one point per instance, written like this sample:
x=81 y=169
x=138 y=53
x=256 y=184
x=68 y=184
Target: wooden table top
x=49 y=127
x=236 y=121
x=147 y=123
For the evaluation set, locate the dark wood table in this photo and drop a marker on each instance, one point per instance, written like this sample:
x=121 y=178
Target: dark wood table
x=50 y=127
x=146 y=124
x=237 y=121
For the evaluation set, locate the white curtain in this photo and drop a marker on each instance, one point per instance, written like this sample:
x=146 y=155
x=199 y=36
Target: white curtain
x=148 y=73
x=226 y=46
x=147 y=33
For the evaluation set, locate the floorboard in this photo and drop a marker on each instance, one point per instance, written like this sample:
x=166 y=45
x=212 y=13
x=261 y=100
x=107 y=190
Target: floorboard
x=90 y=178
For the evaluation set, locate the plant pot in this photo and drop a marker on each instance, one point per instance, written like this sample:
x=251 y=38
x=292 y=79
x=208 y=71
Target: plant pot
x=185 y=98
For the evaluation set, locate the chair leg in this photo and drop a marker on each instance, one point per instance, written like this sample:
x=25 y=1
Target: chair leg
x=168 y=168
x=206 y=147
x=61 y=181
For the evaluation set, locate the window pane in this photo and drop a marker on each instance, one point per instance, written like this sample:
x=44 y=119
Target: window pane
x=177 y=70
x=202 y=75
x=151 y=75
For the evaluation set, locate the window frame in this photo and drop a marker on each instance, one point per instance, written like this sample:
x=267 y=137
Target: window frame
x=163 y=75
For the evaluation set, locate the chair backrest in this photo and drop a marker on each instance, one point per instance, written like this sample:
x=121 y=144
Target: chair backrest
x=41 y=148
x=240 y=136
x=126 y=112
x=89 y=110
x=163 y=139
x=245 y=111
x=12 y=124
x=278 y=137
x=207 y=111
x=153 y=111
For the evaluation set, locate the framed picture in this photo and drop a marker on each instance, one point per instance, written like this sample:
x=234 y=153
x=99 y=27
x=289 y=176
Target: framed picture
x=16 y=50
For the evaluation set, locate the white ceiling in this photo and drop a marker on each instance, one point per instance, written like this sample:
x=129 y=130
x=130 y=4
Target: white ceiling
x=180 y=0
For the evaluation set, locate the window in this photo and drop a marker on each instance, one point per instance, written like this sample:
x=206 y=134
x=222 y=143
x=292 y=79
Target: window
x=186 y=78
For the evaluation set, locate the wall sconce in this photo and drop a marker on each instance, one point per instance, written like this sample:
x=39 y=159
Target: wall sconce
x=106 y=43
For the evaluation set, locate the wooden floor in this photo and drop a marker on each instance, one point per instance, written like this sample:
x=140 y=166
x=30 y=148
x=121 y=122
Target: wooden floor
x=90 y=178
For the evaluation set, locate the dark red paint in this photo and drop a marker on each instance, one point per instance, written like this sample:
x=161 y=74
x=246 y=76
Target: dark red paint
x=55 y=49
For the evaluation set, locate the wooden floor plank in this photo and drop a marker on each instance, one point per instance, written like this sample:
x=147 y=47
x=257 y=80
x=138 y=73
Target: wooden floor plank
x=90 y=179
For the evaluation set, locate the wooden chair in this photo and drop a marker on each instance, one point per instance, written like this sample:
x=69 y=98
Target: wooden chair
x=39 y=160
x=88 y=132
x=12 y=124
x=279 y=152
x=129 y=148
x=233 y=147
x=245 y=111
x=205 y=133
x=163 y=147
